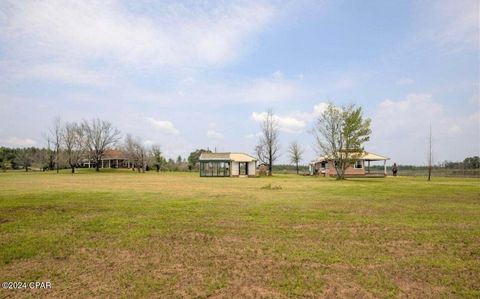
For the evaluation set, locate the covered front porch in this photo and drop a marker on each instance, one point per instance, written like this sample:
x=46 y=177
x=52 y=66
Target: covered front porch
x=374 y=158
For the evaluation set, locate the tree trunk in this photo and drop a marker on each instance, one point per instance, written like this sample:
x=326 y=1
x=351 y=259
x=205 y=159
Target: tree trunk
x=73 y=168
x=429 y=173
x=158 y=168
x=97 y=166
x=340 y=172
x=297 y=168
x=270 y=165
x=26 y=168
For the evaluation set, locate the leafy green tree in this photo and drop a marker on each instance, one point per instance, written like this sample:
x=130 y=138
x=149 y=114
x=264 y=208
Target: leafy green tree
x=472 y=162
x=340 y=133
x=157 y=157
x=7 y=155
x=194 y=157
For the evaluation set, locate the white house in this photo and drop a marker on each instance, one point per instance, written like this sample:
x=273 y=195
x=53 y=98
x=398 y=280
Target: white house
x=227 y=165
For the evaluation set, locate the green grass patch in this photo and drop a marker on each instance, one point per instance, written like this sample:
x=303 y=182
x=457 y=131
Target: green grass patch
x=122 y=233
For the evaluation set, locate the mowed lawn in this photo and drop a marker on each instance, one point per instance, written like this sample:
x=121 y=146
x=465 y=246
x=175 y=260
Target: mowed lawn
x=125 y=234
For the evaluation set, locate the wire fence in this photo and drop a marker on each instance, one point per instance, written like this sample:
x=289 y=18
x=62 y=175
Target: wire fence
x=437 y=172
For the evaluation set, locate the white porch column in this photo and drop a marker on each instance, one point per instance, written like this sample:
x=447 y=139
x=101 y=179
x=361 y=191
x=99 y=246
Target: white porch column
x=109 y=164
x=385 y=167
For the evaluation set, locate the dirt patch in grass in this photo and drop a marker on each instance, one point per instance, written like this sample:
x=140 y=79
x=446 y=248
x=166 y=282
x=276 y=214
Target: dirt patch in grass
x=271 y=187
x=410 y=288
x=336 y=287
x=4 y=220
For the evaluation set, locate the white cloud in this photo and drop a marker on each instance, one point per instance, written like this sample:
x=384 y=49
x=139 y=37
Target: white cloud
x=319 y=108
x=222 y=92
x=454 y=129
x=164 y=126
x=295 y=122
x=277 y=75
x=214 y=134
x=60 y=72
x=148 y=143
x=345 y=80
x=414 y=111
x=405 y=81
x=20 y=142
x=267 y=90
x=285 y=123
x=475 y=99
x=400 y=130
x=178 y=35
x=450 y=23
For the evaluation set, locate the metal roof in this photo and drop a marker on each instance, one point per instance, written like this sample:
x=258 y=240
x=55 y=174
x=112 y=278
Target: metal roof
x=363 y=156
x=237 y=157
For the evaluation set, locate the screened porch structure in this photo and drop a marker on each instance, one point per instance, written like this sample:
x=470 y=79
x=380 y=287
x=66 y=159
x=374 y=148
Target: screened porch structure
x=227 y=165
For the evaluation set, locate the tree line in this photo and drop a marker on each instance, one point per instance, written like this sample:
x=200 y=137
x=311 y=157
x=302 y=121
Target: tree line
x=71 y=143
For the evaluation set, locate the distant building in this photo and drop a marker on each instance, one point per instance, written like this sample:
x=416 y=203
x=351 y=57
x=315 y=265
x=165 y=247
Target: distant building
x=325 y=166
x=227 y=165
x=111 y=159
x=262 y=169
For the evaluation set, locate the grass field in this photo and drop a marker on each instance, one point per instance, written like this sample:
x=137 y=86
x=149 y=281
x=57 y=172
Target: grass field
x=125 y=234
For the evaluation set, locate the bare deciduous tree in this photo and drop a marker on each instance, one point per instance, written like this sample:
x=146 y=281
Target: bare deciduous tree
x=24 y=157
x=73 y=141
x=129 y=148
x=340 y=133
x=55 y=137
x=142 y=155
x=268 y=146
x=50 y=155
x=295 y=153
x=99 y=136
x=136 y=152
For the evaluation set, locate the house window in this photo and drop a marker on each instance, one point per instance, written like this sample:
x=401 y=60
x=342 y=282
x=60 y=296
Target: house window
x=359 y=164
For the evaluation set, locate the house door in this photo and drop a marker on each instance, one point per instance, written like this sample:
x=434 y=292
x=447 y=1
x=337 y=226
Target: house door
x=243 y=168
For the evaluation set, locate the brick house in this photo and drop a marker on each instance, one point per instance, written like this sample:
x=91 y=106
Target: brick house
x=361 y=168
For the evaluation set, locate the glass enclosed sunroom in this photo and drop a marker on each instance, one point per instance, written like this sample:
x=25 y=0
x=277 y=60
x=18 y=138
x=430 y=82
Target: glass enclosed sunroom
x=227 y=165
x=214 y=168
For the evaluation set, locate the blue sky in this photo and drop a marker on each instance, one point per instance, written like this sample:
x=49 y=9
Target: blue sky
x=195 y=74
